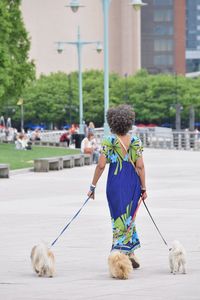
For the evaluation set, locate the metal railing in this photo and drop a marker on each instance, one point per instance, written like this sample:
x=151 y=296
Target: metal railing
x=183 y=140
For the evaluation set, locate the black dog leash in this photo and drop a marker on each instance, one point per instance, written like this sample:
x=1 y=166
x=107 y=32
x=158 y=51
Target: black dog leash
x=74 y=217
x=155 y=224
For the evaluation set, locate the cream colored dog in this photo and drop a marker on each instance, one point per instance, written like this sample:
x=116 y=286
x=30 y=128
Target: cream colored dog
x=43 y=260
x=177 y=258
x=120 y=265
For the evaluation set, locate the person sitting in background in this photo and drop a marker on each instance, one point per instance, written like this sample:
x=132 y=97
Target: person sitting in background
x=65 y=138
x=37 y=135
x=22 y=142
x=89 y=146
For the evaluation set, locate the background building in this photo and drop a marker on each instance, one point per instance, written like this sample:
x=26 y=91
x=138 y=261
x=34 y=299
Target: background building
x=49 y=21
x=163 y=31
x=193 y=36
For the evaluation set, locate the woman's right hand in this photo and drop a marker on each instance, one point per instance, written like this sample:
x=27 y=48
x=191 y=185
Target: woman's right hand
x=90 y=194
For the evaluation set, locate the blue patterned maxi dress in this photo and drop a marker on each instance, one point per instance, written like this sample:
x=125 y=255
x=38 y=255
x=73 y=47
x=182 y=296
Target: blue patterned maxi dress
x=123 y=192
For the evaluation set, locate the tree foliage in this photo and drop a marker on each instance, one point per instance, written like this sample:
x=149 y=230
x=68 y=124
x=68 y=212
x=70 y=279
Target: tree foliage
x=15 y=68
x=55 y=99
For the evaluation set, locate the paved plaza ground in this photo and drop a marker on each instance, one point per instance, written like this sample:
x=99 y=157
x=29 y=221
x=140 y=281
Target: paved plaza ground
x=36 y=206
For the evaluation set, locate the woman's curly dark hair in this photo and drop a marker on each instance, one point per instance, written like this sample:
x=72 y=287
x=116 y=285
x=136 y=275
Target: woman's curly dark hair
x=120 y=119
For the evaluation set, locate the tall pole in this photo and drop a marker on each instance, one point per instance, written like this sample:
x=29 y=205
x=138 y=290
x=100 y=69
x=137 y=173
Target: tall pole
x=126 y=89
x=80 y=84
x=178 y=106
x=178 y=116
x=22 y=117
x=79 y=44
x=191 y=118
x=106 y=5
x=70 y=99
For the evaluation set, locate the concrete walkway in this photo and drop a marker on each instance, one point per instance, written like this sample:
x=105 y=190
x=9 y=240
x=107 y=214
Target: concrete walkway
x=36 y=206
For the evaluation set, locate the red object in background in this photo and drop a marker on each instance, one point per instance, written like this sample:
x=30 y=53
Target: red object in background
x=64 y=137
x=141 y=125
x=151 y=125
x=146 y=125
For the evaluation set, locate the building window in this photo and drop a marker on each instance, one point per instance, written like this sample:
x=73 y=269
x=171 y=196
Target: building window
x=163 y=2
x=163 y=45
x=163 y=15
x=163 y=29
x=192 y=65
x=163 y=60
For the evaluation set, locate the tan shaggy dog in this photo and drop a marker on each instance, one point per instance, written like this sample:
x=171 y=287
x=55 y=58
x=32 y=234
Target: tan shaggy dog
x=120 y=265
x=43 y=260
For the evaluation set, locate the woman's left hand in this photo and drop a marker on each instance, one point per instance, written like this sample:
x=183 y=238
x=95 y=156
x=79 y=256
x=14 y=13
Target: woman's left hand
x=144 y=195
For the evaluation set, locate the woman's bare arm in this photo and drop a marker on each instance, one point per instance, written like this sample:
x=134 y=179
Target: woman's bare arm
x=98 y=172
x=141 y=172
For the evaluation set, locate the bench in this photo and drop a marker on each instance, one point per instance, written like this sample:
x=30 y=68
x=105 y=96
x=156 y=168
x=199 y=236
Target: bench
x=46 y=164
x=4 y=170
x=37 y=143
x=68 y=161
x=78 y=160
x=60 y=162
x=88 y=159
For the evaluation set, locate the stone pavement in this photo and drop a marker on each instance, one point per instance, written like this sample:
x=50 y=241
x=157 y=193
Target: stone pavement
x=36 y=206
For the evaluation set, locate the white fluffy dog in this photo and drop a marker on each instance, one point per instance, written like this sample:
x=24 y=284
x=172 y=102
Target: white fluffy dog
x=177 y=258
x=43 y=260
x=120 y=265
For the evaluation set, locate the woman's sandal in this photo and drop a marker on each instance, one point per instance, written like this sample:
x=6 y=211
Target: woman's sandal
x=134 y=261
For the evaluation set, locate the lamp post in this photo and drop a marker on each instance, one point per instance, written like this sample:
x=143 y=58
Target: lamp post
x=75 y=4
x=126 y=96
x=179 y=108
x=178 y=105
x=79 y=45
x=192 y=118
x=21 y=104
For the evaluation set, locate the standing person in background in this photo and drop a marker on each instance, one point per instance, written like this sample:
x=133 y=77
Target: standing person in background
x=91 y=127
x=125 y=182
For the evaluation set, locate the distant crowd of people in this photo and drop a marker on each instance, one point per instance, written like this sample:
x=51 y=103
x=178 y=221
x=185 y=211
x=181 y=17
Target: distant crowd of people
x=24 y=140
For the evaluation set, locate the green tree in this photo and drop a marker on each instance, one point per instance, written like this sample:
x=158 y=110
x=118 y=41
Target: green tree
x=54 y=98
x=15 y=68
x=48 y=100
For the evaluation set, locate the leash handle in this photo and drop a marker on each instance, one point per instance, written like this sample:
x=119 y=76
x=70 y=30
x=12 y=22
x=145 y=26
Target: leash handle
x=155 y=224
x=74 y=217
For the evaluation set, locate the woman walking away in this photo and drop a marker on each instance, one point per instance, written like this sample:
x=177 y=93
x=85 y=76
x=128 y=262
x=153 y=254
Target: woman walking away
x=125 y=185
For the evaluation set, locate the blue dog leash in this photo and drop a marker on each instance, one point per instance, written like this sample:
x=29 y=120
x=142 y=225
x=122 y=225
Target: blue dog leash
x=74 y=217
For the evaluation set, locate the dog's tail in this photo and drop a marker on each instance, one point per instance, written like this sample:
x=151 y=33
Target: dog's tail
x=43 y=253
x=120 y=265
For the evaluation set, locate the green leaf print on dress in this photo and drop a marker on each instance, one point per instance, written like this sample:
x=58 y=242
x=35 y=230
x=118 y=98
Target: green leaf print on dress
x=120 y=226
x=112 y=150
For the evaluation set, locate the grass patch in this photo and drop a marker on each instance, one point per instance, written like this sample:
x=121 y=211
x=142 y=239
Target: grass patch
x=19 y=159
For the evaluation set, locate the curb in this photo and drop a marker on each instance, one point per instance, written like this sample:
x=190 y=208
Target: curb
x=21 y=171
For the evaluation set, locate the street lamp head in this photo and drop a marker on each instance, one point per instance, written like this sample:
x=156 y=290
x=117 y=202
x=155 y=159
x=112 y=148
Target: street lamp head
x=137 y=4
x=74 y=5
x=99 y=47
x=59 y=48
x=59 y=51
